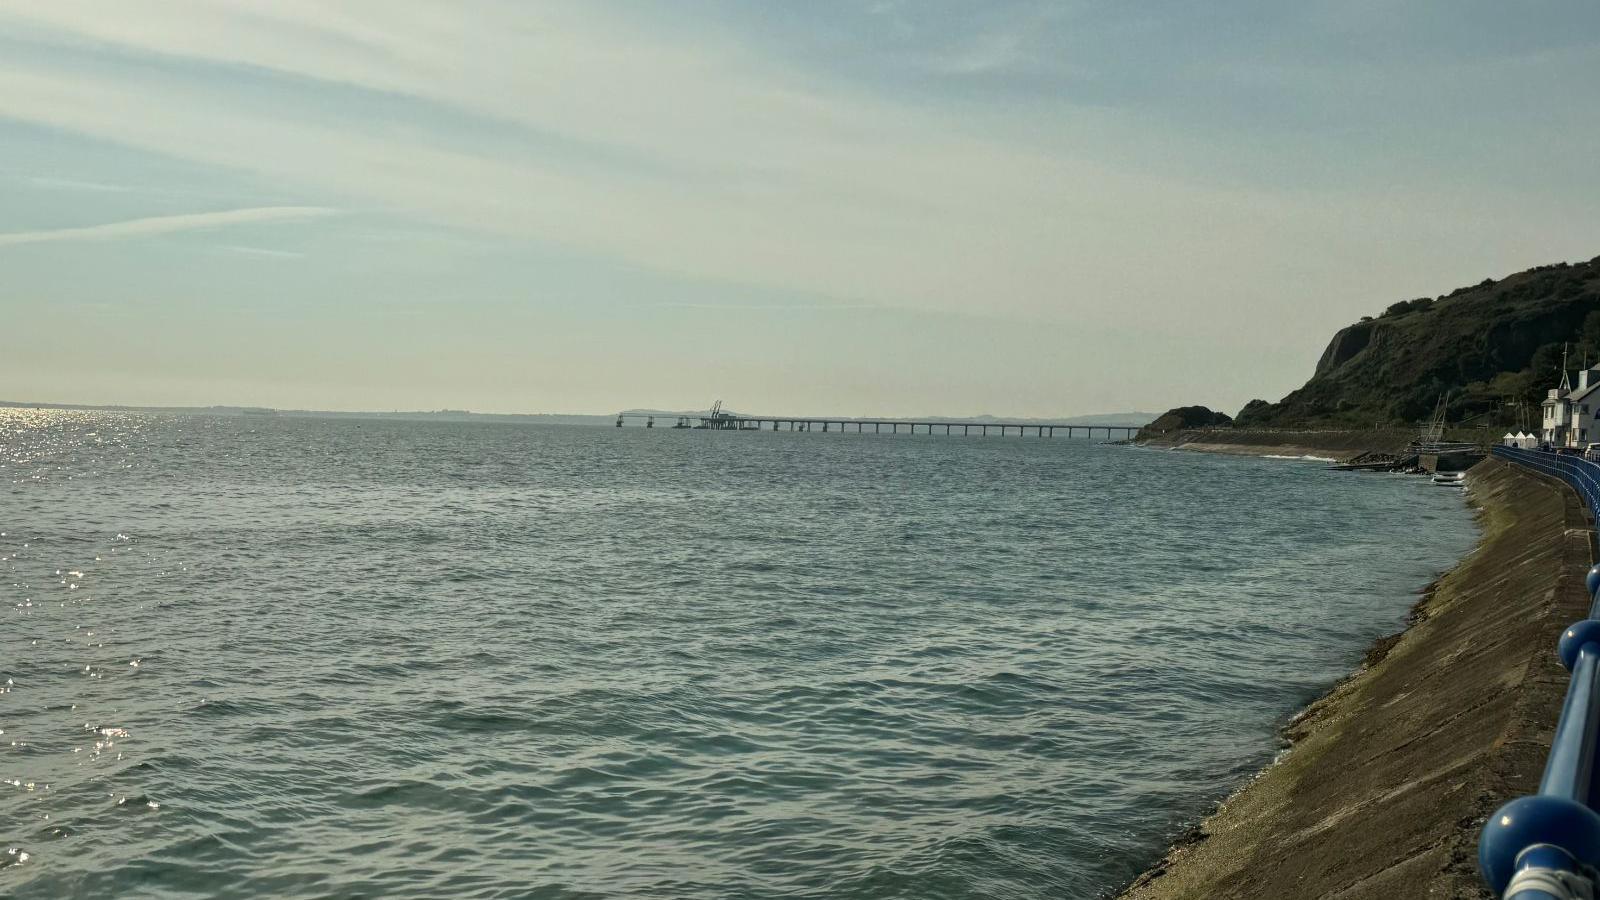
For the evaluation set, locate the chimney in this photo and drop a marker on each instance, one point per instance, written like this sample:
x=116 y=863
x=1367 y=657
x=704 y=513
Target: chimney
x=1583 y=379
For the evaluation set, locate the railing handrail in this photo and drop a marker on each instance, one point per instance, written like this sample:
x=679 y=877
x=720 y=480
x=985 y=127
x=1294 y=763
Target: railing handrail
x=1547 y=846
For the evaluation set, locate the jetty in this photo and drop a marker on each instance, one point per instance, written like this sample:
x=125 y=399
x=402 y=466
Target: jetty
x=718 y=419
x=1373 y=461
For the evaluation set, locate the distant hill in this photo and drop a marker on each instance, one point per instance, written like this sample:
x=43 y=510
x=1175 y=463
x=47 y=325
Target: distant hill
x=1489 y=346
x=461 y=415
x=1184 y=418
x=1127 y=418
x=441 y=415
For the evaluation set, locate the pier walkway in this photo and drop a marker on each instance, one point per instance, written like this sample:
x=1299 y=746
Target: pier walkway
x=721 y=421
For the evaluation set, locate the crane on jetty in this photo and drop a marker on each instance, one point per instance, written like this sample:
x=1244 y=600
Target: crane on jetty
x=1430 y=438
x=718 y=418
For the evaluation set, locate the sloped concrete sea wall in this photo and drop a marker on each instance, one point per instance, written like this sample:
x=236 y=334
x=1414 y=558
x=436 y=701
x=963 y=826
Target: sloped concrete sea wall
x=1390 y=776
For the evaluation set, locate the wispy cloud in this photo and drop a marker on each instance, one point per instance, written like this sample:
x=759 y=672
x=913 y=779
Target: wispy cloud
x=133 y=228
x=753 y=174
x=263 y=251
x=654 y=142
x=993 y=52
x=51 y=182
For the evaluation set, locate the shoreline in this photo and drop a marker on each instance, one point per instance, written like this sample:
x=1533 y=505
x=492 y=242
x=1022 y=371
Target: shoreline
x=1333 y=444
x=1388 y=777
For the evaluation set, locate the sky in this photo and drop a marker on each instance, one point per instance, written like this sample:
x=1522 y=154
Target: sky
x=881 y=207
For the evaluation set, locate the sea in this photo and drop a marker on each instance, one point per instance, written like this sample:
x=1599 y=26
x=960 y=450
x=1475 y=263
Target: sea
x=298 y=657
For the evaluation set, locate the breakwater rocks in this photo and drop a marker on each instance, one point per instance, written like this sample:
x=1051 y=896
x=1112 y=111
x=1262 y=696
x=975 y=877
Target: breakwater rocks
x=1390 y=775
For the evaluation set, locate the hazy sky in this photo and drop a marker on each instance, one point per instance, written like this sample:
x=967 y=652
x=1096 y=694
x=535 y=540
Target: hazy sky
x=885 y=207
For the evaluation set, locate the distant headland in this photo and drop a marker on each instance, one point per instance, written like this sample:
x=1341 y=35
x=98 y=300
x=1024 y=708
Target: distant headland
x=1490 y=351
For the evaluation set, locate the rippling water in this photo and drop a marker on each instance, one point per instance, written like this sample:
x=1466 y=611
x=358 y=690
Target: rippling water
x=281 y=657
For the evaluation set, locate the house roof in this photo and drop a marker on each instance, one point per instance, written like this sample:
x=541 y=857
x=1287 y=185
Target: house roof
x=1594 y=385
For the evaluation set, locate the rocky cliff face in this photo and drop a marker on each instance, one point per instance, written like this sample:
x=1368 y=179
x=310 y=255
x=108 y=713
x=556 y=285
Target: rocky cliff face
x=1490 y=347
x=1348 y=342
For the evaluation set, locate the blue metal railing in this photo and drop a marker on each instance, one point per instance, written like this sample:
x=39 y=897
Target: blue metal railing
x=1547 y=846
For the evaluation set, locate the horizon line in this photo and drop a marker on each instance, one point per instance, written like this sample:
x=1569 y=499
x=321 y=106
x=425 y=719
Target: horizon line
x=631 y=411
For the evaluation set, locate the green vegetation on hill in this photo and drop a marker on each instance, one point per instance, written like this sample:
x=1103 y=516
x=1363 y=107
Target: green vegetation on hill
x=1183 y=418
x=1490 y=347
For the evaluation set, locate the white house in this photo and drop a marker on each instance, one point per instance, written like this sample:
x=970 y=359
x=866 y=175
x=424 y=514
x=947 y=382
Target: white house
x=1570 y=412
x=1557 y=413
